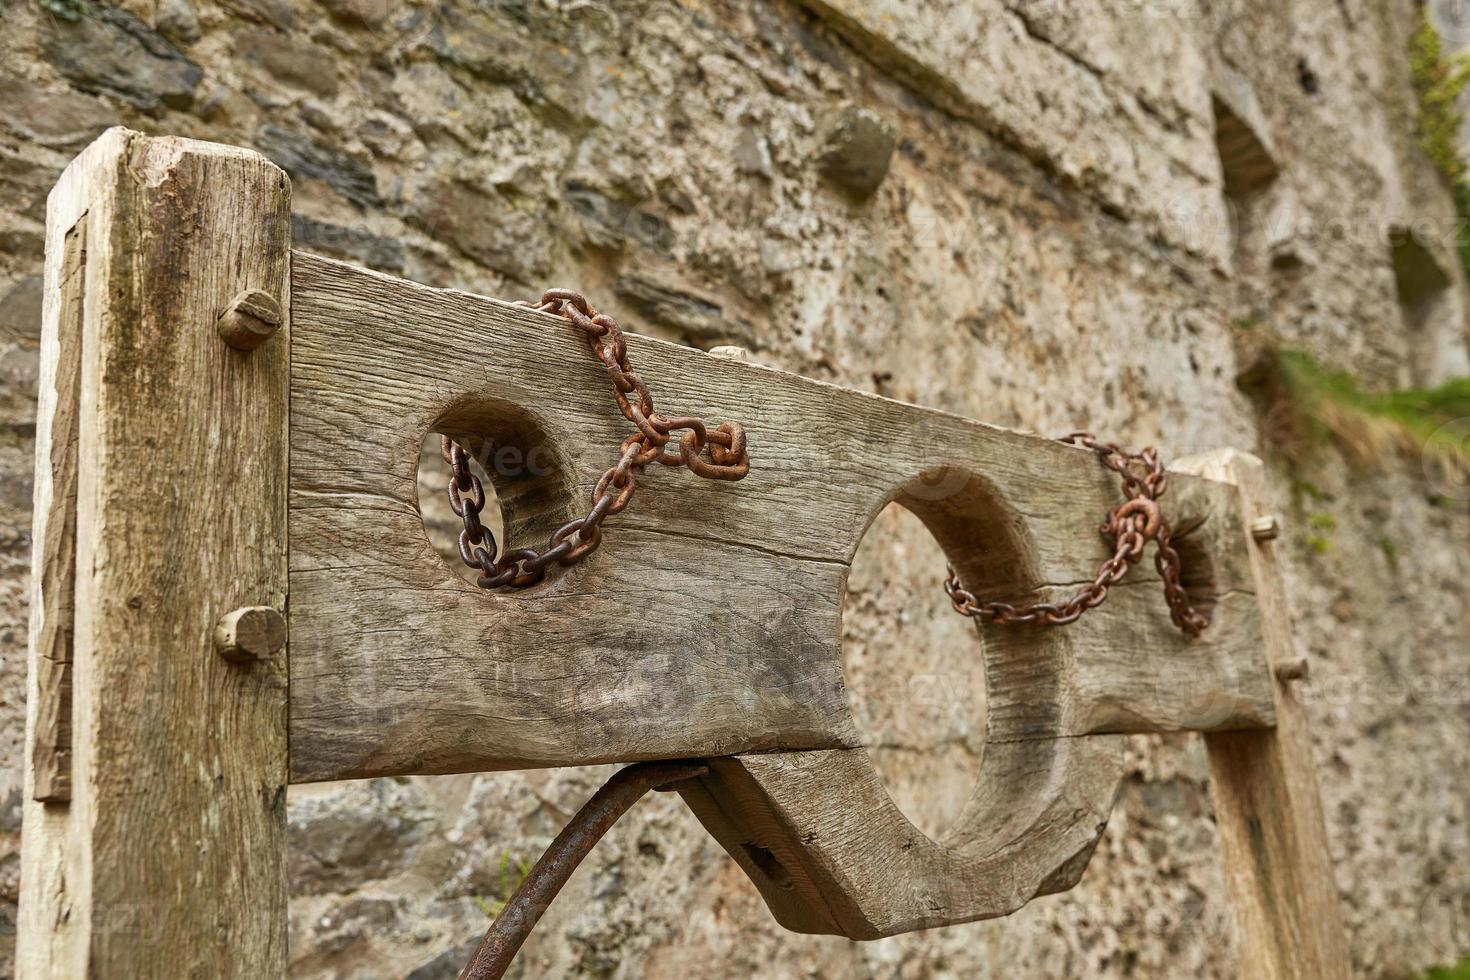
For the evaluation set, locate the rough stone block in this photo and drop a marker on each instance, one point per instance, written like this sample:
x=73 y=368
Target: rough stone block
x=485 y=227
x=291 y=61
x=700 y=320
x=112 y=52
x=365 y=13
x=20 y=311
x=59 y=120
x=355 y=833
x=356 y=244
x=305 y=159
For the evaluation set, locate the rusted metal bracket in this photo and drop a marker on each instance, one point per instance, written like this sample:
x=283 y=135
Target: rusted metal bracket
x=556 y=864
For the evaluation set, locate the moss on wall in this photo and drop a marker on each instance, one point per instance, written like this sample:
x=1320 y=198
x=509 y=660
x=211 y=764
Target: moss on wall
x=1439 y=81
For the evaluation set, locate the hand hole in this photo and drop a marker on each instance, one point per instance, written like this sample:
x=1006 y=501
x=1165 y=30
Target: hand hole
x=915 y=672
x=528 y=491
x=1197 y=572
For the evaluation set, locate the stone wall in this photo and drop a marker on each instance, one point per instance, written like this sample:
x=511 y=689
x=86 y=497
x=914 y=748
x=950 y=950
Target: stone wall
x=1036 y=213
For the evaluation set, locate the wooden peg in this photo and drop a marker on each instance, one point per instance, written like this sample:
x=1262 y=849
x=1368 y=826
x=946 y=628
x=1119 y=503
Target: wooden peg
x=1265 y=528
x=1294 y=669
x=250 y=633
x=250 y=320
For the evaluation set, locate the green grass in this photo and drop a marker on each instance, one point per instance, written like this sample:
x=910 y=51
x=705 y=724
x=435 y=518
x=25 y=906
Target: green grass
x=1438 y=81
x=1306 y=406
x=1320 y=526
x=509 y=875
x=1460 y=972
x=1415 y=413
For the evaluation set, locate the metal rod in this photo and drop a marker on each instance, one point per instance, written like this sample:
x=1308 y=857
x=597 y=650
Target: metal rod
x=531 y=899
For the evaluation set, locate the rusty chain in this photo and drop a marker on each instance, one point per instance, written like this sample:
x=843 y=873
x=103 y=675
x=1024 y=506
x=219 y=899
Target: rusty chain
x=1130 y=525
x=712 y=452
x=719 y=453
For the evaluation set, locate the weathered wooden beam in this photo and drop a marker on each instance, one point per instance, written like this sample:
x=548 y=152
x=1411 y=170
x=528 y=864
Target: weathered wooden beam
x=830 y=853
x=160 y=506
x=708 y=622
x=1273 y=840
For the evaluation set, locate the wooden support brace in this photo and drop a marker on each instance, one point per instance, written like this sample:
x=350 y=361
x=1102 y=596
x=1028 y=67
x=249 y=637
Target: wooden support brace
x=154 y=823
x=1273 y=840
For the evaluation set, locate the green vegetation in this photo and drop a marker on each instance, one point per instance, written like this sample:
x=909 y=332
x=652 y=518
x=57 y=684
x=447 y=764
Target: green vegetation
x=1320 y=526
x=1304 y=489
x=1438 y=82
x=1459 y=972
x=1305 y=405
x=508 y=878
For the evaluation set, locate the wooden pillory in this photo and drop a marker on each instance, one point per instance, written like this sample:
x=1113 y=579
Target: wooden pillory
x=185 y=487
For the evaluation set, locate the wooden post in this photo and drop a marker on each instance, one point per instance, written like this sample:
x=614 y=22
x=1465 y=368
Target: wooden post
x=1264 y=786
x=154 y=834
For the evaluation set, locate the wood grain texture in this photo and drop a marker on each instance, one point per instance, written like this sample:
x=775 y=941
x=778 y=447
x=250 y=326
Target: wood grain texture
x=1273 y=840
x=50 y=940
x=170 y=855
x=831 y=853
x=50 y=753
x=708 y=622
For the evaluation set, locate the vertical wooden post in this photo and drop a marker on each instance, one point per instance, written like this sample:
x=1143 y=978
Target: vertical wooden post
x=1273 y=840
x=154 y=835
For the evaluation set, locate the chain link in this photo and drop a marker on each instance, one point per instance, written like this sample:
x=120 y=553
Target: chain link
x=1130 y=525
x=712 y=452
x=719 y=453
